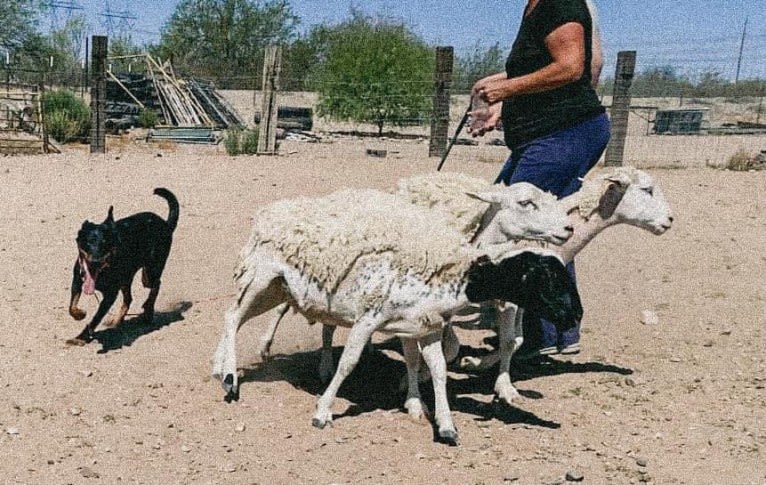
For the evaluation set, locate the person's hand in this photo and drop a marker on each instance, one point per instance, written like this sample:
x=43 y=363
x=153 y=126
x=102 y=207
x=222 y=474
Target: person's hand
x=484 y=117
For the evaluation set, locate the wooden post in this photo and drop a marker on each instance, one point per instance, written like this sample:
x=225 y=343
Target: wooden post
x=620 y=111
x=442 y=84
x=98 y=95
x=267 y=133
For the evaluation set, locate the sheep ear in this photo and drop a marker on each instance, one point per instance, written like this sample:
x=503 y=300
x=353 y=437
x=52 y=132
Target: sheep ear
x=488 y=197
x=611 y=197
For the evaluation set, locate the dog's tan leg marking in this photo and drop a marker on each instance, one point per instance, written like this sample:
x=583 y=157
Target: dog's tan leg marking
x=127 y=299
x=75 y=312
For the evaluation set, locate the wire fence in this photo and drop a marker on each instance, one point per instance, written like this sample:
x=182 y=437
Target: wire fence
x=726 y=102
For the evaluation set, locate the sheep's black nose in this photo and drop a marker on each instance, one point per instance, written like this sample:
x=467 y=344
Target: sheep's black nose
x=670 y=218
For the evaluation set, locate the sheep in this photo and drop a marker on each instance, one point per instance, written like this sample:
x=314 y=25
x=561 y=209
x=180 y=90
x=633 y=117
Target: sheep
x=374 y=262
x=623 y=195
x=516 y=212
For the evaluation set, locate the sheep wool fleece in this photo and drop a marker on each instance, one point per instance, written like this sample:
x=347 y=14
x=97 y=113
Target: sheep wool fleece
x=325 y=237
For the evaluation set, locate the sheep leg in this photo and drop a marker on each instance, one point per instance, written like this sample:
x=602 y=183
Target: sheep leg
x=413 y=404
x=431 y=348
x=253 y=300
x=357 y=339
x=268 y=337
x=450 y=343
x=508 y=323
x=326 y=364
x=450 y=349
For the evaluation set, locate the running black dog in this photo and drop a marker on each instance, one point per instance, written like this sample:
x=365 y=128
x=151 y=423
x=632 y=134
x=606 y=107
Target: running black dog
x=112 y=252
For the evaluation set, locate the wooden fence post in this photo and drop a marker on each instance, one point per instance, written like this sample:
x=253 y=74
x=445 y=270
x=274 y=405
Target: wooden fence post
x=98 y=94
x=620 y=111
x=442 y=84
x=267 y=133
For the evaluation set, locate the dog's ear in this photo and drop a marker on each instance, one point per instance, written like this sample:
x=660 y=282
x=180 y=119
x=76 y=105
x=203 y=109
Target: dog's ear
x=110 y=216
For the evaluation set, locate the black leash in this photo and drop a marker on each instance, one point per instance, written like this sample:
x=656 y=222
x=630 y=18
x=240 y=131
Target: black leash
x=454 y=137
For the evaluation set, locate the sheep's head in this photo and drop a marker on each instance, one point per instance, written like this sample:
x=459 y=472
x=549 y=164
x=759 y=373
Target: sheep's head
x=538 y=282
x=644 y=205
x=623 y=195
x=523 y=211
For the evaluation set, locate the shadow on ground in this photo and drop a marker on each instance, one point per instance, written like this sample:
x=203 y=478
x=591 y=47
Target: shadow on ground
x=134 y=328
x=376 y=382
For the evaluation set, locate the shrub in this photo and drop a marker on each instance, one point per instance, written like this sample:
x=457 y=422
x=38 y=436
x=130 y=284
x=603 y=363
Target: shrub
x=241 y=142
x=743 y=161
x=66 y=116
x=147 y=118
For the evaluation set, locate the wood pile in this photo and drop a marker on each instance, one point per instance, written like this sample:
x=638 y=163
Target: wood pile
x=177 y=102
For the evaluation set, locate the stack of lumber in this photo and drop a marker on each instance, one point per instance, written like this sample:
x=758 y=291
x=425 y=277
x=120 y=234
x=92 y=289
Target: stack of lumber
x=178 y=102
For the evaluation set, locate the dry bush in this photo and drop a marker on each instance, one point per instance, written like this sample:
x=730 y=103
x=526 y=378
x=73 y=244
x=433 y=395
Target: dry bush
x=742 y=161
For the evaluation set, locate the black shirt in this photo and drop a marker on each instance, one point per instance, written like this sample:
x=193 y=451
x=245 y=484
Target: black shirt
x=531 y=116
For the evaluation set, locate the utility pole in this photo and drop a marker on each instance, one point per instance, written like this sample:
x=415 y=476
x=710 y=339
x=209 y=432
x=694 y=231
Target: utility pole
x=741 y=48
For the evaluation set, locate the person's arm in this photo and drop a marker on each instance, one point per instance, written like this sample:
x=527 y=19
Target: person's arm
x=597 y=57
x=566 y=47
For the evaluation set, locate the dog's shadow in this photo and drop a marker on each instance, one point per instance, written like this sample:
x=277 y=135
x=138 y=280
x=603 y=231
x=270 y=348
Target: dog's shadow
x=132 y=329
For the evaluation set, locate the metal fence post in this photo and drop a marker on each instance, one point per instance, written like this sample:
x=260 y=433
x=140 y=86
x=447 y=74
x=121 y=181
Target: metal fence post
x=442 y=84
x=620 y=111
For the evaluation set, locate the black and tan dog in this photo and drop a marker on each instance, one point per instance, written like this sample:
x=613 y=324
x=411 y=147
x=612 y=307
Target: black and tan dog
x=111 y=253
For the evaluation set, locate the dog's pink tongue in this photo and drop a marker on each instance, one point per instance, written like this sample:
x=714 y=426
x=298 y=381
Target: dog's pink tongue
x=89 y=284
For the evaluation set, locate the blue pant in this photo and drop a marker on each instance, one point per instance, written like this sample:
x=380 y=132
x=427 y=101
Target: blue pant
x=556 y=163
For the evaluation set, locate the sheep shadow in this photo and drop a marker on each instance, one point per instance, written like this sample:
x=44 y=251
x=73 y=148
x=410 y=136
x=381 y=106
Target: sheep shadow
x=134 y=328
x=375 y=385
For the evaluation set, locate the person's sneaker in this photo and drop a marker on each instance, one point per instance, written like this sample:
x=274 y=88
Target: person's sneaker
x=532 y=354
x=570 y=349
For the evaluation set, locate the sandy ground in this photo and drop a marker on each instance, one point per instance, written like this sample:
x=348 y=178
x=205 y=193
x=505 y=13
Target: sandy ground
x=679 y=402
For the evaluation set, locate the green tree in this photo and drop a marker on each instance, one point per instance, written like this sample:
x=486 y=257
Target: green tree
x=18 y=19
x=125 y=56
x=212 y=37
x=374 y=71
x=474 y=66
x=65 y=48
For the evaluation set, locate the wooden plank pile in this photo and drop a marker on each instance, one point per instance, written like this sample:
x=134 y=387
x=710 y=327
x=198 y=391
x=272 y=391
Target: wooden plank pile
x=177 y=102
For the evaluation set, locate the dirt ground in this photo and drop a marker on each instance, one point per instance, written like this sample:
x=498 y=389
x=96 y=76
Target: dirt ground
x=678 y=402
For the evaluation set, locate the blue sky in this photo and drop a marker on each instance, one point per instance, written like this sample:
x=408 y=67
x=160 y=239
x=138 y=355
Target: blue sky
x=695 y=36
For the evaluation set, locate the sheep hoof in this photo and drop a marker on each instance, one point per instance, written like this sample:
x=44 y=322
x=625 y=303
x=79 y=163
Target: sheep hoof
x=415 y=408
x=232 y=390
x=320 y=423
x=449 y=437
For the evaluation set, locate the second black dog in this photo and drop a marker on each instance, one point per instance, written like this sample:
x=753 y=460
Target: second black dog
x=111 y=253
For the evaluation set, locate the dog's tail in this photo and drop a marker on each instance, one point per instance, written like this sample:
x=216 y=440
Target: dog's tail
x=173 y=205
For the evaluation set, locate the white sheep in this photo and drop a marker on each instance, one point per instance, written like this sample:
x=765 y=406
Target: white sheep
x=519 y=211
x=622 y=195
x=374 y=262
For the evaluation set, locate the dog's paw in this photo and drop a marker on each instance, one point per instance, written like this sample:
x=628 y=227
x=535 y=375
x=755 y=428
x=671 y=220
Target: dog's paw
x=76 y=313
x=112 y=322
x=76 y=342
